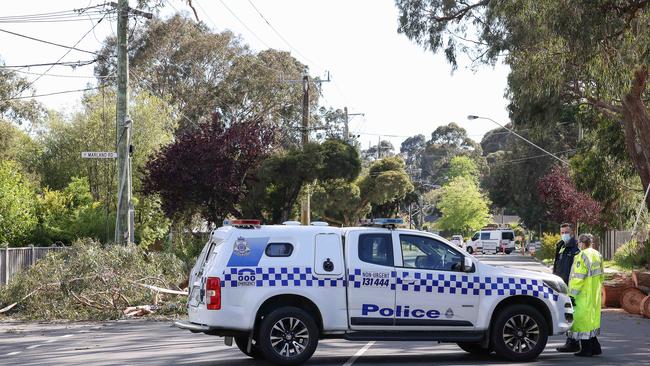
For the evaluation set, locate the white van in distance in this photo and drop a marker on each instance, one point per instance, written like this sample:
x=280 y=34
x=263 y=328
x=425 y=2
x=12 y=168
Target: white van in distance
x=277 y=290
x=492 y=240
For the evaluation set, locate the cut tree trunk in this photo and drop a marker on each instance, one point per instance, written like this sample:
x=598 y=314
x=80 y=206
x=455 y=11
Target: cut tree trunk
x=612 y=291
x=631 y=300
x=645 y=306
x=641 y=279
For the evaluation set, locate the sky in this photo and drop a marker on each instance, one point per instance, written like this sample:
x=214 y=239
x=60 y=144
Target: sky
x=402 y=89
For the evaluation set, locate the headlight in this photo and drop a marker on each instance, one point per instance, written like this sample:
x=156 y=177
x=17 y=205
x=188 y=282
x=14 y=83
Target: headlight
x=557 y=286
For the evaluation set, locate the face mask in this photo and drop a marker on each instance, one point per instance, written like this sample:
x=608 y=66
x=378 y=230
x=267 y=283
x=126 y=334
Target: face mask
x=566 y=238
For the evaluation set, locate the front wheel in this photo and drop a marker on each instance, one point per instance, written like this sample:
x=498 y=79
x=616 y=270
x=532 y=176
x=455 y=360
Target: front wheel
x=519 y=333
x=470 y=250
x=288 y=336
x=475 y=348
x=242 y=344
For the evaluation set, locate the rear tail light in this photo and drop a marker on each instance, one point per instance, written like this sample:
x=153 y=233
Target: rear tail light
x=213 y=293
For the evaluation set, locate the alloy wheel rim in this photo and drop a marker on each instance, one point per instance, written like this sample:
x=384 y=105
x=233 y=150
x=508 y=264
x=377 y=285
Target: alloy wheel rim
x=521 y=333
x=289 y=337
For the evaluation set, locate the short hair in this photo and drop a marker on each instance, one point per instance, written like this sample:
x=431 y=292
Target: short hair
x=588 y=239
x=566 y=224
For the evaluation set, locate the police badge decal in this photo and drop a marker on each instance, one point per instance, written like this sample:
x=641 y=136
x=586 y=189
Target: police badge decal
x=241 y=247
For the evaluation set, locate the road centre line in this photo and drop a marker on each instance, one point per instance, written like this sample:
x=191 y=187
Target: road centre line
x=359 y=353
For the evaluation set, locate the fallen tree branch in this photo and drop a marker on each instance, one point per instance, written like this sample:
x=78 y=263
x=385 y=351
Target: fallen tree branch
x=163 y=290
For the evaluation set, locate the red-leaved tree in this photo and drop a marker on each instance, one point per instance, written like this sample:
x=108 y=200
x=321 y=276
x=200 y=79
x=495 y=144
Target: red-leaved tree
x=564 y=203
x=206 y=169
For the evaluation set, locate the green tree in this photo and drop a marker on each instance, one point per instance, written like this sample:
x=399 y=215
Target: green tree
x=274 y=195
x=25 y=112
x=464 y=209
x=378 y=192
x=561 y=54
x=447 y=142
x=17 y=214
x=462 y=166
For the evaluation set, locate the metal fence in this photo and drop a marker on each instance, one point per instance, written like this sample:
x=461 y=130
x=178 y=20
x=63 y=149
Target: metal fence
x=613 y=240
x=14 y=260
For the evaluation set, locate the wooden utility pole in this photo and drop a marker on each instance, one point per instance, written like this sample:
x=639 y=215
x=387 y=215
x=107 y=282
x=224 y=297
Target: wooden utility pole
x=346 y=128
x=305 y=210
x=125 y=220
x=123 y=228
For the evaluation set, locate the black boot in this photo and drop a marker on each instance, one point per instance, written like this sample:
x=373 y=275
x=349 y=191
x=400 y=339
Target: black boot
x=571 y=345
x=595 y=346
x=585 y=349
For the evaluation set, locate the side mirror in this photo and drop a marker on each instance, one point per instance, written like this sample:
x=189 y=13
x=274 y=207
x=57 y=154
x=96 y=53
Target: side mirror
x=468 y=265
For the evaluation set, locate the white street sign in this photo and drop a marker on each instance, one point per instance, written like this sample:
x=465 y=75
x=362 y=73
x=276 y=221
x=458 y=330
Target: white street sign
x=98 y=155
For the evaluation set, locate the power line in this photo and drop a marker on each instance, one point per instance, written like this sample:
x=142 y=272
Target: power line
x=61 y=75
x=280 y=35
x=48 y=94
x=47 y=42
x=60 y=58
x=65 y=63
x=244 y=24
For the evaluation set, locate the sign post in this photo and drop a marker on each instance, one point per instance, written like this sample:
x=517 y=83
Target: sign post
x=98 y=155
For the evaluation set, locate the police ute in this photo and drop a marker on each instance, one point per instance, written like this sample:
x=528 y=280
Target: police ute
x=276 y=290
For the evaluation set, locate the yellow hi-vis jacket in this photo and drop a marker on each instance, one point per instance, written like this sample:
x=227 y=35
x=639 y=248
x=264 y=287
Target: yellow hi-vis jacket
x=585 y=285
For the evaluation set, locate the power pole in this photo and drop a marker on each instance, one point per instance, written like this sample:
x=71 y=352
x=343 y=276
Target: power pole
x=305 y=210
x=123 y=229
x=124 y=222
x=346 y=129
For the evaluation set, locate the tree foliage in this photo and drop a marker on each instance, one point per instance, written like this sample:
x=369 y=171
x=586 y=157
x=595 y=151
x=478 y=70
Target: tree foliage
x=378 y=192
x=17 y=205
x=206 y=170
x=561 y=54
x=564 y=203
x=464 y=209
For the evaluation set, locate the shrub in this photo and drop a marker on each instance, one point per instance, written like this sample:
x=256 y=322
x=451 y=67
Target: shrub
x=548 y=246
x=17 y=217
x=89 y=282
x=633 y=254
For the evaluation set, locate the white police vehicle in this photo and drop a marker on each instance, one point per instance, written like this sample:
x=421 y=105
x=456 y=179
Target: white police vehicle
x=276 y=290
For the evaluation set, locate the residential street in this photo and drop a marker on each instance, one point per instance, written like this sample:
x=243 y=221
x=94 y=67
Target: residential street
x=625 y=340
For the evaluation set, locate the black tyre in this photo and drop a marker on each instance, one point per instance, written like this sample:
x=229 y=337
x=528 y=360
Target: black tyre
x=288 y=336
x=509 y=250
x=242 y=344
x=475 y=349
x=519 y=333
x=470 y=250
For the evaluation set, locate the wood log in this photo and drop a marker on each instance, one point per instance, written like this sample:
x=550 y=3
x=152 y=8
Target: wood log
x=612 y=291
x=645 y=306
x=641 y=279
x=631 y=300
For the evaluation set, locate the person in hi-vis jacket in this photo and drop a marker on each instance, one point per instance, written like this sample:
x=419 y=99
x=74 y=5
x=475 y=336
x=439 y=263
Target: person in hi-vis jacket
x=585 y=285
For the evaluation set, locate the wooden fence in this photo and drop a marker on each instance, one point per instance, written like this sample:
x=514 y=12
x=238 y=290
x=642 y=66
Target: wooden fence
x=13 y=260
x=613 y=240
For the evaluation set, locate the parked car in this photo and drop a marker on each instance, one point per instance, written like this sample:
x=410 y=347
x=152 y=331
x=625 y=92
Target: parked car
x=458 y=240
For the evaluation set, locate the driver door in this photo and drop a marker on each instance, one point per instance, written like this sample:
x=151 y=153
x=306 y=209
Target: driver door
x=432 y=292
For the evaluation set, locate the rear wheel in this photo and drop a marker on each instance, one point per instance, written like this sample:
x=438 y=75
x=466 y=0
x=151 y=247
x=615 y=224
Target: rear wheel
x=475 y=348
x=470 y=250
x=519 y=333
x=242 y=344
x=288 y=336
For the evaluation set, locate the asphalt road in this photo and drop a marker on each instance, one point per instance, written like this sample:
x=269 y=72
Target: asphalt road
x=625 y=341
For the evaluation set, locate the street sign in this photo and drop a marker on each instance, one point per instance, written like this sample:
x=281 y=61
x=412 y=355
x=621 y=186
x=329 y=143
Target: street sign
x=98 y=155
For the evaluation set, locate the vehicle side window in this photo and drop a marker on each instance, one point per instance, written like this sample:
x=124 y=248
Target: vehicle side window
x=485 y=236
x=475 y=237
x=422 y=252
x=508 y=235
x=279 y=250
x=376 y=249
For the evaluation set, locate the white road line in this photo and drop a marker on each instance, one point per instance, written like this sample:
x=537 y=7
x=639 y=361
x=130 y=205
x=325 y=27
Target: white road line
x=33 y=346
x=359 y=353
x=13 y=353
